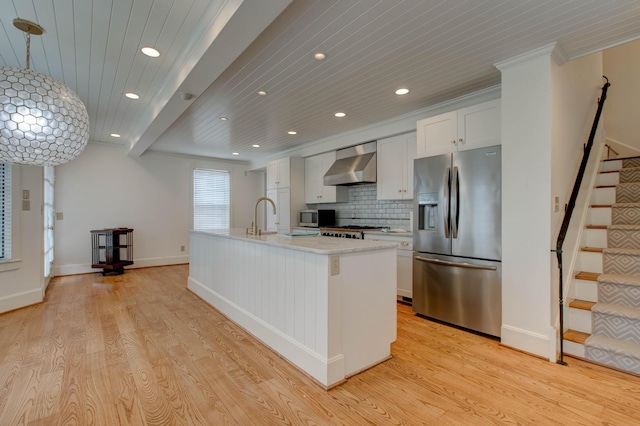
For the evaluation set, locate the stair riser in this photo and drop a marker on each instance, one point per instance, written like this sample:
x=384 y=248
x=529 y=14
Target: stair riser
x=579 y=320
x=608 y=179
x=611 y=165
x=623 y=264
x=628 y=193
x=619 y=294
x=628 y=175
x=584 y=290
x=631 y=162
x=623 y=238
x=600 y=216
x=573 y=348
x=604 y=196
x=595 y=238
x=625 y=215
x=590 y=261
x=613 y=360
x=616 y=327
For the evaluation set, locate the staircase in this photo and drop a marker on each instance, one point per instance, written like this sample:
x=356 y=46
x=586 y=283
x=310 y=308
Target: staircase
x=603 y=313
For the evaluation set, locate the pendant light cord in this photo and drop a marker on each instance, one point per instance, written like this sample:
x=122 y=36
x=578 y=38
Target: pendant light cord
x=28 y=50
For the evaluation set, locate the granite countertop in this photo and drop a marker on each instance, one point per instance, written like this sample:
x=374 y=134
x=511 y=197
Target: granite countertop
x=319 y=245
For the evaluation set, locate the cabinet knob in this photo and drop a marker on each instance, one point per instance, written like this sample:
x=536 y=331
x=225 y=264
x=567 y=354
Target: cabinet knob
x=399 y=190
x=404 y=243
x=460 y=140
x=404 y=190
x=453 y=141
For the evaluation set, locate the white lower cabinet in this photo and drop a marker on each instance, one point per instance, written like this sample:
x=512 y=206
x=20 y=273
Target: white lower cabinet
x=405 y=260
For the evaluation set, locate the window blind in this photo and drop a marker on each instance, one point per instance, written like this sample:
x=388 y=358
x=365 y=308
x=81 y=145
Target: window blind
x=49 y=217
x=5 y=211
x=210 y=199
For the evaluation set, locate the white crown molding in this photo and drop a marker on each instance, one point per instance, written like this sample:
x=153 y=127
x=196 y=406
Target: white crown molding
x=552 y=49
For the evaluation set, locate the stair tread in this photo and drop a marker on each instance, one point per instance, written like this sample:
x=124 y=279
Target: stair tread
x=597 y=227
x=575 y=336
x=592 y=249
x=625 y=227
x=585 y=305
x=621 y=250
x=632 y=280
x=624 y=205
x=588 y=276
x=621 y=158
x=616 y=310
x=619 y=347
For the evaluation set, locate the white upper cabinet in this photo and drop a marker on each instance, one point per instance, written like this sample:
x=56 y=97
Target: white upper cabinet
x=279 y=173
x=395 y=167
x=315 y=190
x=467 y=128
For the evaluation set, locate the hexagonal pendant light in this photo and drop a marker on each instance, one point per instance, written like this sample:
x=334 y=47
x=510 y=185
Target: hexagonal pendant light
x=42 y=121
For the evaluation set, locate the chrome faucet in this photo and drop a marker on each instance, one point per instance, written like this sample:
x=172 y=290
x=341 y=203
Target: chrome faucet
x=254 y=225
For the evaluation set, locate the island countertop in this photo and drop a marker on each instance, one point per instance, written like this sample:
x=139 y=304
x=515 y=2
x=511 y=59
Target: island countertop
x=313 y=244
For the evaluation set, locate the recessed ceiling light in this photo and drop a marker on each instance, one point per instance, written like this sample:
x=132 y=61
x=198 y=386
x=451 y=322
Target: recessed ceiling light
x=402 y=91
x=292 y=132
x=319 y=56
x=150 y=51
x=235 y=153
x=132 y=95
x=262 y=93
x=255 y=145
x=340 y=114
x=115 y=135
x=223 y=118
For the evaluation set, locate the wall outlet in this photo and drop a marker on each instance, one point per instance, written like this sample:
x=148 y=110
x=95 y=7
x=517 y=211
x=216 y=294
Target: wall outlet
x=26 y=205
x=25 y=194
x=181 y=248
x=59 y=215
x=556 y=204
x=334 y=265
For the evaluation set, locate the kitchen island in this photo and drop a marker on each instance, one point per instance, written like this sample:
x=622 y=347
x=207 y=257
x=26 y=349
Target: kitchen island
x=325 y=304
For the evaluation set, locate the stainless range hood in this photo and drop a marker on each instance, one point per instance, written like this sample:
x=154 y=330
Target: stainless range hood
x=353 y=166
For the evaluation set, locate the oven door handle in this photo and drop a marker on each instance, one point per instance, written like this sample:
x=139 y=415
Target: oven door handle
x=455 y=264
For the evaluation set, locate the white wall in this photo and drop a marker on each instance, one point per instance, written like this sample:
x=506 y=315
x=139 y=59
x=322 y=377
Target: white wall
x=22 y=281
x=152 y=194
x=622 y=67
x=526 y=191
x=575 y=89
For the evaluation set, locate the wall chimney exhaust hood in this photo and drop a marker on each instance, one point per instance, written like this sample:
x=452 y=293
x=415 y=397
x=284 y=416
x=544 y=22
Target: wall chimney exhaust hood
x=353 y=166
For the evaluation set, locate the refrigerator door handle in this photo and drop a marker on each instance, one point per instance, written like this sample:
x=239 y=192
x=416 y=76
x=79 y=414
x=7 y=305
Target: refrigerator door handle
x=456 y=264
x=455 y=198
x=447 y=180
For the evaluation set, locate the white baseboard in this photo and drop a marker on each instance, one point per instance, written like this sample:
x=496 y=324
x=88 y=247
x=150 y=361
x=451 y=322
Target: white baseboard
x=527 y=341
x=20 y=300
x=326 y=371
x=85 y=268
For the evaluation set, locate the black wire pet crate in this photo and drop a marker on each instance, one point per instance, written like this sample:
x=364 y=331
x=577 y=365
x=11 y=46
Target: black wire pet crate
x=112 y=249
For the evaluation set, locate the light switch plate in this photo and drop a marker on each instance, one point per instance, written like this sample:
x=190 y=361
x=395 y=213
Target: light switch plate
x=59 y=216
x=25 y=194
x=334 y=265
x=26 y=205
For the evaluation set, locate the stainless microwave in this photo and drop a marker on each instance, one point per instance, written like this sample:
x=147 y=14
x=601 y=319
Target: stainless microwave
x=317 y=218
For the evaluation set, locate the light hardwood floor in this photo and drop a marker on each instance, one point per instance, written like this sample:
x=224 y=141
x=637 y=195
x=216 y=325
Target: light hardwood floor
x=141 y=349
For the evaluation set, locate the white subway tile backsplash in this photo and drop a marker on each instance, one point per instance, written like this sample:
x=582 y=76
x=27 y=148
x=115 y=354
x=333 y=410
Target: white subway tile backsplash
x=367 y=210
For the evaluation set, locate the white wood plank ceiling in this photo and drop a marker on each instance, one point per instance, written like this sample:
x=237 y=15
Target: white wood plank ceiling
x=437 y=49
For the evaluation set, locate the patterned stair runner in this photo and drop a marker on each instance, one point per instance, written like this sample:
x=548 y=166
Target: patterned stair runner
x=615 y=338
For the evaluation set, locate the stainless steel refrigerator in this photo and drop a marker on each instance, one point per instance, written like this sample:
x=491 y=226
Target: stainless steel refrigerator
x=457 y=275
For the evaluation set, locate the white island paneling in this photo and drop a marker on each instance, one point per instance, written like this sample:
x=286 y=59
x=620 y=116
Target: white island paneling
x=325 y=304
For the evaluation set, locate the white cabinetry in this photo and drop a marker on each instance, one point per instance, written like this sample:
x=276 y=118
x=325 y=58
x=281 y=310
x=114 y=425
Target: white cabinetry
x=289 y=199
x=405 y=260
x=315 y=190
x=467 y=128
x=395 y=167
x=279 y=173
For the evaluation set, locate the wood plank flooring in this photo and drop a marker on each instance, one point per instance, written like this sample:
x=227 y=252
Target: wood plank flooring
x=140 y=349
